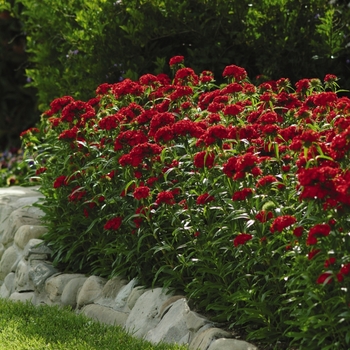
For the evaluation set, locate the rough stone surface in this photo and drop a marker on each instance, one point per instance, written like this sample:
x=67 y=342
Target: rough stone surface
x=22 y=296
x=70 y=291
x=22 y=281
x=104 y=314
x=7 y=261
x=22 y=216
x=178 y=325
x=26 y=233
x=134 y=295
x=231 y=344
x=54 y=285
x=203 y=339
x=90 y=291
x=7 y=288
x=40 y=271
x=145 y=314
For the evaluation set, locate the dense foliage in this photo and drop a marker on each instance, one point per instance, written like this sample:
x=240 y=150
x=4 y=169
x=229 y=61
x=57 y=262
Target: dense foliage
x=236 y=194
x=17 y=103
x=76 y=45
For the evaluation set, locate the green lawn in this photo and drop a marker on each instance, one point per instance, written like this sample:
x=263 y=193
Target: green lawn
x=25 y=326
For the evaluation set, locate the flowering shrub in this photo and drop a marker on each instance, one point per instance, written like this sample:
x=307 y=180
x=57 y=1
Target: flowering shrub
x=236 y=194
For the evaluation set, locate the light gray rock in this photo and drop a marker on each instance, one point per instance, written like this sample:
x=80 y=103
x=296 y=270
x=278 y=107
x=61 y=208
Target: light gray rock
x=120 y=301
x=26 y=233
x=90 y=291
x=2 y=250
x=54 y=286
x=7 y=288
x=22 y=282
x=23 y=216
x=23 y=297
x=134 y=295
x=145 y=314
x=202 y=340
x=8 y=259
x=231 y=344
x=70 y=291
x=39 y=272
x=104 y=314
x=36 y=250
x=178 y=325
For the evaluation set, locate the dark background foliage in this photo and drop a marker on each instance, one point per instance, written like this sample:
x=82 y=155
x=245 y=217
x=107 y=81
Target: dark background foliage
x=69 y=47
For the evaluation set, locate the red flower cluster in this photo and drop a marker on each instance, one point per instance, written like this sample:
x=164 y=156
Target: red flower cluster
x=282 y=222
x=165 y=197
x=204 y=198
x=113 y=224
x=141 y=192
x=242 y=194
x=242 y=239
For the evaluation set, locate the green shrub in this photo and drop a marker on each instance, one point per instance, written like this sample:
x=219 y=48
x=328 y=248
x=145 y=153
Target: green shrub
x=236 y=194
x=76 y=45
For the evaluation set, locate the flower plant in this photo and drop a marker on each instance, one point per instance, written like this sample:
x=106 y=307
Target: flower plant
x=236 y=194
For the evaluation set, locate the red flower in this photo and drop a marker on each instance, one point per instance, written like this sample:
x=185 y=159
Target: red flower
x=76 y=194
x=166 y=197
x=325 y=278
x=204 y=199
x=186 y=75
x=60 y=181
x=330 y=261
x=298 y=231
x=233 y=109
x=204 y=159
x=160 y=120
x=313 y=253
x=113 y=224
x=320 y=229
x=238 y=73
x=40 y=170
x=281 y=222
x=242 y=239
x=266 y=180
x=70 y=134
x=242 y=194
x=141 y=192
x=264 y=216
x=176 y=60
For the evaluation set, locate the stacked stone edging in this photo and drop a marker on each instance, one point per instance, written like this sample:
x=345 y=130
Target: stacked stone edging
x=27 y=274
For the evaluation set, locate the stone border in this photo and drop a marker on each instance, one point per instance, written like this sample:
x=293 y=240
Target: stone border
x=27 y=274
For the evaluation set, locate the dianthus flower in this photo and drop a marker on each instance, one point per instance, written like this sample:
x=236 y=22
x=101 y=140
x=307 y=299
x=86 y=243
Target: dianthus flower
x=264 y=216
x=298 y=231
x=234 y=109
x=312 y=253
x=129 y=138
x=70 y=134
x=159 y=120
x=242 y=239
x=166 y=197
x=242 y=194
x=141 y=192
x=266 y=180
x=204 y=159
x=320 y=229
x=238 y=73
x=204 y=199
x=281 y=222
x=113 y=224
x=176 y=60
x=325 y=278
x=60 y=181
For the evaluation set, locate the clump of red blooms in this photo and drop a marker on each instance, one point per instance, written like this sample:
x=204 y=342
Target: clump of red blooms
x=258 y=138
